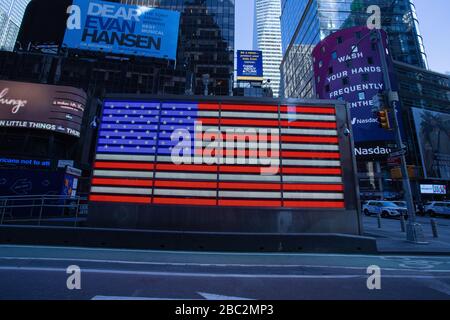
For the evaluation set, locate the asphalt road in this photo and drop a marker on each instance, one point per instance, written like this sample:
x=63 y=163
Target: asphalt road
x=40 y=273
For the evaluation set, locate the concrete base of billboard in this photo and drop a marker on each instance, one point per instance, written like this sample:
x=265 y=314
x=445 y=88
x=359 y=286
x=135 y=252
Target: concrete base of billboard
x=222 y=219
x=190 y=241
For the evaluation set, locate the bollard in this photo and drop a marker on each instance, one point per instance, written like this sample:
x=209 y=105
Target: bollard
x=402 y=223
x=434 y=228
x=379 y=220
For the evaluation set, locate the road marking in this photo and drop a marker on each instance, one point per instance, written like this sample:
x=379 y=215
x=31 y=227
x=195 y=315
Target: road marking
x=207 y=296
x=187 y=264
x=114 y=298
x=211 y=296
x=218 y=275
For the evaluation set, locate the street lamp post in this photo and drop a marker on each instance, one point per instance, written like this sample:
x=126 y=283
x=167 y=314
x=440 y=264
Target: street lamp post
x=414 y=232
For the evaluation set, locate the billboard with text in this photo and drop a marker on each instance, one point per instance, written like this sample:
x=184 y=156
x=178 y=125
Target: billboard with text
x=348 y=67
x=249 y=65
x=123 y=29
x=44 y=107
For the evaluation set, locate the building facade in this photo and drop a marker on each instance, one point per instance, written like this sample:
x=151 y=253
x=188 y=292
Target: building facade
x=11 y=14
x=268 y=40
x=206 y=46
x=304 y=23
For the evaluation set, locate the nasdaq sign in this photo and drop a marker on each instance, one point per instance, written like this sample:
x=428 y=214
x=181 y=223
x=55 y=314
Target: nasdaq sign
x=122 y=29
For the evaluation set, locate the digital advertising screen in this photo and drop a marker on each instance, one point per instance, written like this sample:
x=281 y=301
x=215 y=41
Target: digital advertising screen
x=347 y=68
x=211 y=154
x=42 y=107
x=249 y=65
x=122 y=29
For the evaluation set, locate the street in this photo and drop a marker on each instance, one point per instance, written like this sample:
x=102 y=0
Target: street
x=40 y=273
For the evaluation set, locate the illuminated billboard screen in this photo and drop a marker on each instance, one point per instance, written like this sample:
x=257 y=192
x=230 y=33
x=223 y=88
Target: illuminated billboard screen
x=433 y=189
x=250 y=65
x=219 y=154
x=433 y=136
x=123 y=29
x=44 y=107
x=347 y=68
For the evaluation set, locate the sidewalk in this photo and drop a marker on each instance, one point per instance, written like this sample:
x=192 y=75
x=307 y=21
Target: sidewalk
x=390 y=239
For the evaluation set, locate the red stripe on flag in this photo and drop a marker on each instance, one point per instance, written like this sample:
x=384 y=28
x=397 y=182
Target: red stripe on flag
x=310 y=139
x=239 y=122
x=121 y=199
x=310 y=155
x=185 y=167
x=123 y=165
x=313 y=187
x=313 y=204
x=208 y=106
x=183 y=184
x=286 y=109
x=293 y=170
x=309 y=124
x=180 y=201
x=249 y=203
x=122 y=182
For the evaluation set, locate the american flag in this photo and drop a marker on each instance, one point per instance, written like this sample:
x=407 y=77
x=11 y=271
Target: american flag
x=134 y=162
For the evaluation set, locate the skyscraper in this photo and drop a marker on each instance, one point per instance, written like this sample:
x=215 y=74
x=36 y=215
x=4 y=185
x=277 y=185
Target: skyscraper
x=268 y=39
x=11 y=14
x=305 y=23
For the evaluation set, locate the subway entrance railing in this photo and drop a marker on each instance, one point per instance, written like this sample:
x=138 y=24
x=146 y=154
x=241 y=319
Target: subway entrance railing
x=43 y=210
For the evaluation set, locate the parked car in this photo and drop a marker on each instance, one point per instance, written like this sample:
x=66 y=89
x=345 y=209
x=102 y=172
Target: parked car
x=437 y=208
x=400 y=203
x=385 y=208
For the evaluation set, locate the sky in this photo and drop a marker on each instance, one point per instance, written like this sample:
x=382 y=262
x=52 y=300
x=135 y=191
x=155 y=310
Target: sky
x=433 y=15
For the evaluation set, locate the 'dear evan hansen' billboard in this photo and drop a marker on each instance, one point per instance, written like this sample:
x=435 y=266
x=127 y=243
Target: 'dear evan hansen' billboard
x=122 y=29
x=43 y=107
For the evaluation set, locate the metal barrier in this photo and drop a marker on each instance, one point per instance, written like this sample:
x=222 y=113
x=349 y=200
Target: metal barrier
x=43 y=210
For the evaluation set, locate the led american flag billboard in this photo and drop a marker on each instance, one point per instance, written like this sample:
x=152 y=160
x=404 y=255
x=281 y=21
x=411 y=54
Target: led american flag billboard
x=224 y=154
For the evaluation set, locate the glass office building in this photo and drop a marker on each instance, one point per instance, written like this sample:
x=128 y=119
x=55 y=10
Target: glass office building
x=304 y=23
x=207 y=42
x=268 y=40
x=11 y=14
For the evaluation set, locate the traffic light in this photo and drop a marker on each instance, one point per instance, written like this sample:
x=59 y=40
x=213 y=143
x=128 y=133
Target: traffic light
x=383 y=119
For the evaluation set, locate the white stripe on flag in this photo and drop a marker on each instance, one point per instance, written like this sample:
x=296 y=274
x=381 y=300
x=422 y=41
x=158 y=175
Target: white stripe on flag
x=131 y=191
x=190 y=193
x=313 y=196
x=312 y=163
x=250 y=194
x=315 y=147
x=125 y=157
x=309 y=132
x=312 y=179
x=297 y=116
x=124 y=174
x=185 y=176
